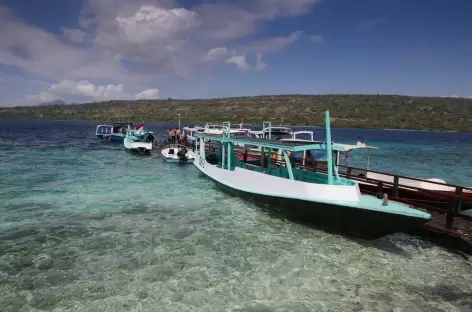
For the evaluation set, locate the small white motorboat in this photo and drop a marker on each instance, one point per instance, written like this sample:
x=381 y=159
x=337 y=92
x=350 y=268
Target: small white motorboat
x=178 y=154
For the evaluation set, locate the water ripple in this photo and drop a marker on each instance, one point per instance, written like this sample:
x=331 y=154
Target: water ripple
x=85 y=226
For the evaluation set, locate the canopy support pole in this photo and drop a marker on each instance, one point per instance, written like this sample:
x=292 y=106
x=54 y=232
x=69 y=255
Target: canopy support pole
x=289 y=165
x=329 y=148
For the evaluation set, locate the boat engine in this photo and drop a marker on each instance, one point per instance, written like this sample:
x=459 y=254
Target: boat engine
x=182 y=155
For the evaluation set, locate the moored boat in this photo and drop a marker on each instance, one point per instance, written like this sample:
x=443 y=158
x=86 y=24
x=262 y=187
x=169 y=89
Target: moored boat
x=325 y=199
x=234 y=130
x=189 y=133
x=139 y=140
x=103 y=132
x=176 y=153
x=271 y=132
x=119 y=129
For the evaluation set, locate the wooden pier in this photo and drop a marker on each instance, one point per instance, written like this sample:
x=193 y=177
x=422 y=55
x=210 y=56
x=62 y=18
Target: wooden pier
x=451 y=222
x=451 y=210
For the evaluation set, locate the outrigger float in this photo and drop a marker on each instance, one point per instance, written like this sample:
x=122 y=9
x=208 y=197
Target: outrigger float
x=324 y=199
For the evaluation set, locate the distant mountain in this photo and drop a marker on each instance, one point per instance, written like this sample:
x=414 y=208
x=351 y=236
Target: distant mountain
x=55 y=102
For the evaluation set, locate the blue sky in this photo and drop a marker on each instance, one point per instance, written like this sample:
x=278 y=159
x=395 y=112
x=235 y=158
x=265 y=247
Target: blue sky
x=84 y=50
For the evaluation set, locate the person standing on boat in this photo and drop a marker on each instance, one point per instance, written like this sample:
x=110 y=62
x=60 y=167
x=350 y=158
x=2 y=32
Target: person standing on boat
x=171 y=136
x=150 y=138
x=177 y=135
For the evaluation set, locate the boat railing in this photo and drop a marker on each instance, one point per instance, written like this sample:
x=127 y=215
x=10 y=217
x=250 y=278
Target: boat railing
x=349 y=169
x=447 y=217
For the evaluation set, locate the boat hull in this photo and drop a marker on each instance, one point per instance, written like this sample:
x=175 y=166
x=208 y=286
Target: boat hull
x=368 y=224
x=105 y=137
x=173 y=160
x=140 y=147
x=117 y=138
x=311 y=203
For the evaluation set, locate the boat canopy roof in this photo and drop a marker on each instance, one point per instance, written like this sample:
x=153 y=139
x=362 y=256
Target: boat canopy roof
x=293 y=146
x=193 y=128
x=273 y=130
x=340 y=147
x=349 y=147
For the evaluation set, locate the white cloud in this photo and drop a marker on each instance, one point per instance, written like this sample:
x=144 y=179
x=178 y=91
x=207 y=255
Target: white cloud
x=317 y=39
x=239 y=61
x=269 y=45
x=273 y=44
x=370 y=24
x=148 y=94
x=73 y=35
x=242 y=18
x=37 y=51
x=215 y=54
x=82 y=90
x=260 y=64
x=121 y=42
x=150 y=24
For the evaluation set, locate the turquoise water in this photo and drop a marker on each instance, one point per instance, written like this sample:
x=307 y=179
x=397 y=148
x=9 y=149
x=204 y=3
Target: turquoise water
x=86 y=226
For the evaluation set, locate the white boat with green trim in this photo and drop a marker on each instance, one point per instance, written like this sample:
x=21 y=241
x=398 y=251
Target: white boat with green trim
x=325 y=199
x=139 y=140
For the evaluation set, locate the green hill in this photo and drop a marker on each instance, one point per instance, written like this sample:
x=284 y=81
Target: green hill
x=354 y=111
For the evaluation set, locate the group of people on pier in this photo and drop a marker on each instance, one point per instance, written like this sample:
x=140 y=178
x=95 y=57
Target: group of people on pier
x=173 y=136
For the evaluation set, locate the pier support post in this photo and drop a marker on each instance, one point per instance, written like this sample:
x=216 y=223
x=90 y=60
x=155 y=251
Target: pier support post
x=450 y=216
x=380 y=190
x=395 y=186
x=458 y=199
x=455 y=206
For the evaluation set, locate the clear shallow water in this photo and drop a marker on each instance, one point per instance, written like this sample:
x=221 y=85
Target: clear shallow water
x=85 y=226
